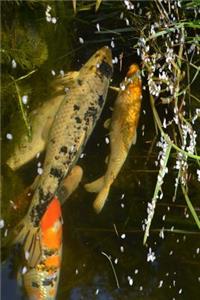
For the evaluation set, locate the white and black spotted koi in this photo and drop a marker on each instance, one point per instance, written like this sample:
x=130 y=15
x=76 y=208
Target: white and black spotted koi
x=71 y=128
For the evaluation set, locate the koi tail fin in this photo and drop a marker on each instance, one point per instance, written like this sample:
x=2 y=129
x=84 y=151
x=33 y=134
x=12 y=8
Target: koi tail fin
x=95 y=186
x=29 y=236
x=101 y=198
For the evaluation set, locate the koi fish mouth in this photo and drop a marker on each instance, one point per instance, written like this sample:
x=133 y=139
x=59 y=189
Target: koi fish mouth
x=133 y=70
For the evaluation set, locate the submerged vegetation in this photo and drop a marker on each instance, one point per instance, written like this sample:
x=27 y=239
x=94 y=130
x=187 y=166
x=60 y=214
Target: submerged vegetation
x=169 y=49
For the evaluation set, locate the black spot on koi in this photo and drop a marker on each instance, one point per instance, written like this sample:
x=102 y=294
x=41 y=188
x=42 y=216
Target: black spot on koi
x=52 y=141
x=92 y=112
x=35 y=284
x=44 y=197
x=38 y=210
x=76 y=107
x=63 y=150
x=47 y=281
x=105 y=69
x=100 y=100
x=78 y=120
x=79 y=82
x=58 y=173
x=49 y=252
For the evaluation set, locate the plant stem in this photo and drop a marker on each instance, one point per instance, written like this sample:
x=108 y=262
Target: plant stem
x=156 y=191
x=190 y=206
x=165 y=136
x=27 y=125
x=117 y=282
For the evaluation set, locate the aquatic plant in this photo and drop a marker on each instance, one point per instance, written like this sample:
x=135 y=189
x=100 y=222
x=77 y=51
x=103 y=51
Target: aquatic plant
x=164 y=36
x=28 y=47
x=95 y=3
x=168 y=46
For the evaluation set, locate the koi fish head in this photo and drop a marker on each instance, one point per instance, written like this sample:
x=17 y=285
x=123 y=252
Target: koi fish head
x=101 y=61
x=133 y=79
x=132 y=84
x=133 y=73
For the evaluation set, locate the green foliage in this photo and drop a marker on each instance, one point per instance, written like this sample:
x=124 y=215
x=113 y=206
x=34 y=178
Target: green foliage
x=23 y=46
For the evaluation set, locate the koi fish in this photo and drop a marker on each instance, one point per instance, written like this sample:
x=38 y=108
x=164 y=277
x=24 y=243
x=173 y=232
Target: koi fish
x=41 y=120
x=41 y=282
x=71 y=128
x=19 y=206
x=123 y=127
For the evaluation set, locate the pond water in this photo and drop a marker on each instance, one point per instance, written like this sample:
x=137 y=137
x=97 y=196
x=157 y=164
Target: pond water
x=168 y=267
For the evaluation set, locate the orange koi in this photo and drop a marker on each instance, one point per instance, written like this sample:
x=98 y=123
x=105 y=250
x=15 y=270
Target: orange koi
x=41 y=282
x=122 y=133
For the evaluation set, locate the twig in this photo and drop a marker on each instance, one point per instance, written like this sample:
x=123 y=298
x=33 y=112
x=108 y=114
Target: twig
x=108 y=257
x=27 y=125
x=115 y=228
x=116 y=89
x=20 y=78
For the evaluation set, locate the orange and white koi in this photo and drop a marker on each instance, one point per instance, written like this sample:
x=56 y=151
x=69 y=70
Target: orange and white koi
x=123 y=127
x=41 y=282
x=71 y=128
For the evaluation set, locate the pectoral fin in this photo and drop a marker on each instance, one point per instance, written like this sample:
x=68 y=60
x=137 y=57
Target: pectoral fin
x=101 y=199
x=70 y=183
x=95 y=186
x=35 y=250
x=29 y=236
x=46 y=128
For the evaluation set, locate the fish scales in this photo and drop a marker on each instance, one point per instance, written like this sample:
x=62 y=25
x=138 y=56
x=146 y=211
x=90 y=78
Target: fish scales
x=122 y=134
x=73 y=133
x=26 y=149
x=41 y=282
x=71 y=128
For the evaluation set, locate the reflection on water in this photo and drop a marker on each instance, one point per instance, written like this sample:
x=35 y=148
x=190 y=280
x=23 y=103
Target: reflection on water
x=173 y=269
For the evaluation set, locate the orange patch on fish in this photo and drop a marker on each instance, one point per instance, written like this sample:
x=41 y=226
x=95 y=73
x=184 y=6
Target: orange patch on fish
x=134 y=90
x=52 y=238
x=34 y=293
x=52 y=214
x=53 y=261
x=133 y=69
x=52 y=292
